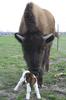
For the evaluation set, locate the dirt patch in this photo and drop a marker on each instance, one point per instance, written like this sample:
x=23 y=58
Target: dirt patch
x=57 y=89
x=7 y=94
x=58 y=60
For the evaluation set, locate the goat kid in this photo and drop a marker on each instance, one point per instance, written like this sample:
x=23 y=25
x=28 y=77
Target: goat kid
x=30 y=80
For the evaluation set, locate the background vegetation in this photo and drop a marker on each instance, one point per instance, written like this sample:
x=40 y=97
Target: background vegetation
x=12 y=63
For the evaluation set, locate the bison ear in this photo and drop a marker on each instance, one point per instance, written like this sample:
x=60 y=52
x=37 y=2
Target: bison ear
x=19 y=37
x=48 y=38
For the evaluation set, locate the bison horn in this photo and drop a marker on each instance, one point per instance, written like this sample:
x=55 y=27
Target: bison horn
x=48 y=38
x=19 y=37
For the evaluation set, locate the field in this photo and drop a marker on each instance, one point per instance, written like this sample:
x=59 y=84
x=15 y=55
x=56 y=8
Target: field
x=12 y=63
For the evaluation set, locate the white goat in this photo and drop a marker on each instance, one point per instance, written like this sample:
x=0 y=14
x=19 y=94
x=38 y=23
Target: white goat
x=30 y=80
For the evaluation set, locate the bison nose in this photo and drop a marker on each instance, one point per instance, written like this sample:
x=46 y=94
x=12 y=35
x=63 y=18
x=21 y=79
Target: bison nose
x=35 y=60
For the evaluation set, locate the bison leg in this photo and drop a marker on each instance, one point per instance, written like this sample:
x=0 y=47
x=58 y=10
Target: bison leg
x=40 y=78
x=45 y=63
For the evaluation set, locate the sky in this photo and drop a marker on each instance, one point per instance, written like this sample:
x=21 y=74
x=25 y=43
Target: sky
x=11 y=12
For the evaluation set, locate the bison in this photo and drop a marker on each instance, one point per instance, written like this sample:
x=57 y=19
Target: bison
x=36 y=33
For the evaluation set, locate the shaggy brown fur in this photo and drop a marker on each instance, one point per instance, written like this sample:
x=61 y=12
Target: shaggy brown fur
x=36 y=17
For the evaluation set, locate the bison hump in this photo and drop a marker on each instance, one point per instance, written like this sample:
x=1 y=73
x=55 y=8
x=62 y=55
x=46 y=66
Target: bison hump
x=29 y=18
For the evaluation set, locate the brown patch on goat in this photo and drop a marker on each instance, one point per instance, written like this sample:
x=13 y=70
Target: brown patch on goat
x=30 y=78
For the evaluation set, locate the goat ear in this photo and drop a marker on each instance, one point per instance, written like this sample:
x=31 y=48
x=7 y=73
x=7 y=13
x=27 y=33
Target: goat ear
x=48 y=38
x=19 y=37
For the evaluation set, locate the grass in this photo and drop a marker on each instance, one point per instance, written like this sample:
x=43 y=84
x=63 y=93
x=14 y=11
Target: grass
x=12 y=62
x=3 y=98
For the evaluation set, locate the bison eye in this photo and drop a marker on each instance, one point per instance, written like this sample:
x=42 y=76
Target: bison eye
x=50 y=39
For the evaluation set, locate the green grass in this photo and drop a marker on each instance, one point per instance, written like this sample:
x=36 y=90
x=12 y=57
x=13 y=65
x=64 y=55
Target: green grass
x=3 y=98
x=12 y=62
